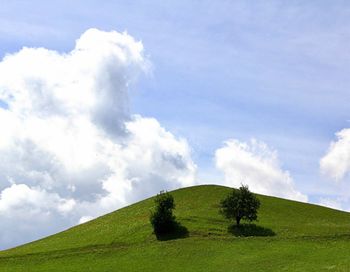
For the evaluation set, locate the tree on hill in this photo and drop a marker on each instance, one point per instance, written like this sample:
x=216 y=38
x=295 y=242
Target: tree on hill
x=162 y=219
x=240 y=204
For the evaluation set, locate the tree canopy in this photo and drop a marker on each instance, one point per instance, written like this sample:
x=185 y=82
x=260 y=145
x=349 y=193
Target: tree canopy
x=240 y=204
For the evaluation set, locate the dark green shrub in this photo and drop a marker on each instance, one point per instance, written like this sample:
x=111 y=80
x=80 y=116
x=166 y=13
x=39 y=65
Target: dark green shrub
x=162 y=219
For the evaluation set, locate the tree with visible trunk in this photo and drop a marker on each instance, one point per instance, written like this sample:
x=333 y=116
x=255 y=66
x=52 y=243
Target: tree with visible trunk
x=240 y=204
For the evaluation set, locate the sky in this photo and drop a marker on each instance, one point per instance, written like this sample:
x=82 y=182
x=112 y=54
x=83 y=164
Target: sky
x=106 y=103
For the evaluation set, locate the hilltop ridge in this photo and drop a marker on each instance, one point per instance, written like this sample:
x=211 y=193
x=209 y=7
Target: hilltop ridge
x=302 y=233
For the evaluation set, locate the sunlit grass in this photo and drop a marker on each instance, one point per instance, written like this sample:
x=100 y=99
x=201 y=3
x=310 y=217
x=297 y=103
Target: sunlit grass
x=297 y=237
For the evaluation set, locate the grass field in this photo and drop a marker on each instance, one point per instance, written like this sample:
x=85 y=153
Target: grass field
x=298 y=237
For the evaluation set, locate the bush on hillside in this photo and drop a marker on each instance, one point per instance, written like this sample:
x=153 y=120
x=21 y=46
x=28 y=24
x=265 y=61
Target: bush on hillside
x=162 y=219
x=240 y=204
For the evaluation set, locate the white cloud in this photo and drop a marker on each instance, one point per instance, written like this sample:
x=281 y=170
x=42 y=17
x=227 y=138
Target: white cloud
x=257 y=166
x=85 y=219
x=334 y=203
x=336 y=163
x=69 y=148
x=20 y=198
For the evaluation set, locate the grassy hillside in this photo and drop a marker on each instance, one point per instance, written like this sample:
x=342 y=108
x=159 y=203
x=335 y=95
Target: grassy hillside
x=307 y=238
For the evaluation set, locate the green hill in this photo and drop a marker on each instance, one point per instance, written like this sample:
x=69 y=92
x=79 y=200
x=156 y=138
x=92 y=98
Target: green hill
x=307 y=238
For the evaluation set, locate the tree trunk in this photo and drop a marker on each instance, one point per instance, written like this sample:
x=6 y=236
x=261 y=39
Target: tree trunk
x=238 y=219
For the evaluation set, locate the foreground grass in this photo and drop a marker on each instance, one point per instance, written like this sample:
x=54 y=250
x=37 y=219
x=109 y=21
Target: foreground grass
x=307 y=238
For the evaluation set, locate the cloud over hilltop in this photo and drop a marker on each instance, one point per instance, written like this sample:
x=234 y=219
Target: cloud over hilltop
x=256 y=165
x=70 y=149
x=336 y=162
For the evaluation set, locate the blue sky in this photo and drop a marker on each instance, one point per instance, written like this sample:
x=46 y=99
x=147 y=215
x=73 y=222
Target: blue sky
x=275 y=71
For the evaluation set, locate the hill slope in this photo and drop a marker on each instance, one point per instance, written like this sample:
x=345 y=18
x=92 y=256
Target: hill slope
x=307 y=238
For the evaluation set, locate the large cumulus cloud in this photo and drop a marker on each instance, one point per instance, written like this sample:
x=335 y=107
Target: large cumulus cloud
x=69 y=148
x=256 y=165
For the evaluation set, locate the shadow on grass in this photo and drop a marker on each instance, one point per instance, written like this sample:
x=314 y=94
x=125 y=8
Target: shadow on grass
x=177 y=232
x=246 y=230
